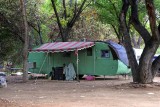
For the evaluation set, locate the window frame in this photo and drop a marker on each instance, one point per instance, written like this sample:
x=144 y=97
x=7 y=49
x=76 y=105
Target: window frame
x=105 y=53
x=89 y=51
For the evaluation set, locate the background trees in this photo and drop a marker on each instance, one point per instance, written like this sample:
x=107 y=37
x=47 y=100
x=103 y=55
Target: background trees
x=11 y=38
x=68 y=15
x=12 y=27
x=70 y=20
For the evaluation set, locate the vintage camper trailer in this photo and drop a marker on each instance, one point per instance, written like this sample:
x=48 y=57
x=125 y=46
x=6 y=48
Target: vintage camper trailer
x=91 y=58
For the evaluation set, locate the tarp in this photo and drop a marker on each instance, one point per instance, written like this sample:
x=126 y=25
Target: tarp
x=120 y=51
x=63 y=46
x=69 y=72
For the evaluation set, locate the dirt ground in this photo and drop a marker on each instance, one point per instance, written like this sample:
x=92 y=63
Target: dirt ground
x=108 y=92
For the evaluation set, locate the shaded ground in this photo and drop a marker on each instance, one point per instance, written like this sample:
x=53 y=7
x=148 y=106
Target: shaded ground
x=111 y=92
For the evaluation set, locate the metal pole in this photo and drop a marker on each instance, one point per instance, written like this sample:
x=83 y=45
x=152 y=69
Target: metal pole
x=94 y=49
x=77 y=66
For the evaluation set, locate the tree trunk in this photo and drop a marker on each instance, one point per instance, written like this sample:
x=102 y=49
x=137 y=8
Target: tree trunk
x=66 y=34
x=117 y=33
x=145 y=65
x=58 y=20
x=127 y=42
x=151 y=46
x=156 y=62
x=25 y=51
x=132 y=59
x=64 y=31
x=146 y=69
x=39 y=31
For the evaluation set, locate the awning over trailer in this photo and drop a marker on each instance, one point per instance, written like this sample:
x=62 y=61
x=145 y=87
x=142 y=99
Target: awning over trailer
x=63 y=46
x=120 y=51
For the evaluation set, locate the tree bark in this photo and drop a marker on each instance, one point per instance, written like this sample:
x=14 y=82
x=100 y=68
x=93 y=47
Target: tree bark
x=151 y=42
x=127 y=41
x=58 y=20
x=64 y=31
x=145 y=66
x=145 y=63
x=146 y=70
x=39 y=31
x=76 y=15
x=117 y=33
x=65 y=11
x=25 y=51
x=136 y=23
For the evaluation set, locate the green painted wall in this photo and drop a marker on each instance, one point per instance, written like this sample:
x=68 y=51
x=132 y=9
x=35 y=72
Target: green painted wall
x=93 y=64
x=122 y=67
x=104 y=65
x=43 y=62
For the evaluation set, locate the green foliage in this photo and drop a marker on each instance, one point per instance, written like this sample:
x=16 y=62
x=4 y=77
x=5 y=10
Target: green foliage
x=46 y=7
x=10 y=27
x=88 y=27
x=108 y=11
x=9 y=46
x=39 y=14
x=64 y=22
x=157 y=4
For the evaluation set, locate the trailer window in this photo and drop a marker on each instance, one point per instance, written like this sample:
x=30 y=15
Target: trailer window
x=34 y=64
x=89 y=51
x=105 y=54
x=31 y=65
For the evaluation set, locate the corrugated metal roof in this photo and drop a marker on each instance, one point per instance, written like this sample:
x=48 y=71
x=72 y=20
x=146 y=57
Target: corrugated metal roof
x=63 y=46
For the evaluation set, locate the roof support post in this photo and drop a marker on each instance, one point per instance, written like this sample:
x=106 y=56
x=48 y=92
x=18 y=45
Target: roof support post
x=76 y=51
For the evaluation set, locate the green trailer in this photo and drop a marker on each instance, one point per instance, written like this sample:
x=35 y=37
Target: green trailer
x=90 y=58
